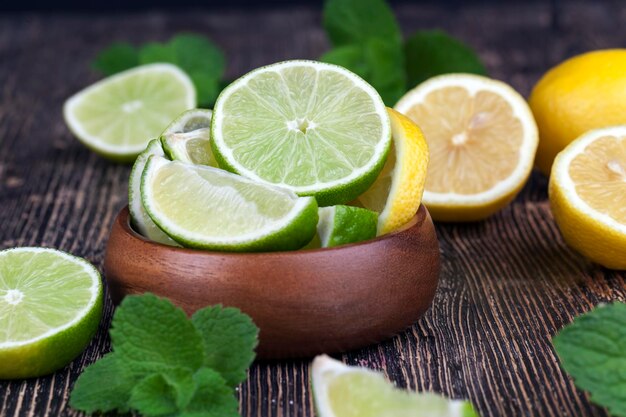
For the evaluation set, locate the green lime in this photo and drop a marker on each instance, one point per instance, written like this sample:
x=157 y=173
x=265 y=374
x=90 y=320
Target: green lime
x=192 y=148
x=142 y=223
x=117 y=116
x=350 y=391
x=315 y=128
x=339 y=225
x=208 y=208
x=190 y=120
x=50 y=308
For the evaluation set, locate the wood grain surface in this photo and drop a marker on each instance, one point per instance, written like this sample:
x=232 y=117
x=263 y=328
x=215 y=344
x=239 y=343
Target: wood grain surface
x=508 y=284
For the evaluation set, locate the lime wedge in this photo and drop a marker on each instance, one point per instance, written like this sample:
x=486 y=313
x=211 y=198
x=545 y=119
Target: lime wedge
x=50 y=308
x=339 y=225
x=117 y=116
x=315 y=128
x=349 y=391
x=141 y=221
x=207 y=208
x=192 y=148
x=190 y=120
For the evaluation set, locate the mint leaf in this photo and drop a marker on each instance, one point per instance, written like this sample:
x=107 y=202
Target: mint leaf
x=116 y=58
x=203 y=61
x=104 y=386
x=430 y=53
x=213 y=397
x=592 y=350
x=379 y=62
x=153 y=335
x=355 y=21
x=153 y=396
x=229 y=339
x=156 y=52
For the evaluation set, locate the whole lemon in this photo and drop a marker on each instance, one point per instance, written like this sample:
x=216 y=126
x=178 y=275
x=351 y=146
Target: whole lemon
x=583 y=93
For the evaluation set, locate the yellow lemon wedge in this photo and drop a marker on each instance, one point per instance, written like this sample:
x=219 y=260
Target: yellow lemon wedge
x=482 y=140
x=588 y=195
x=397 y=192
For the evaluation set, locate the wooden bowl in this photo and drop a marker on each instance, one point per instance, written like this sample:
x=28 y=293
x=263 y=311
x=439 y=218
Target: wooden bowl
x=304 y=302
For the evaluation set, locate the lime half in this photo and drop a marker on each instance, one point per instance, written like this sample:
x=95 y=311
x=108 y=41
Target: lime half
x=116 y=117
x=315 y=128
x=339 y=225
x=347 y=391
x=193 y=147
x=205 y=207
x=50 y=307
x=190 y=120
x=142 y=222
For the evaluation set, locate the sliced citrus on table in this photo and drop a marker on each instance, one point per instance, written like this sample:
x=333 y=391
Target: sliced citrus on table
x=315 y=128
x=208 y=208
x=189 y=121
x=588 y=195
x=50 y=308
x=582 y=93
x=349 y=391
x=193 y=147
x=142 y=222
x=397 y=192
x=482 y=140
x=340 y=225
x=116 y=117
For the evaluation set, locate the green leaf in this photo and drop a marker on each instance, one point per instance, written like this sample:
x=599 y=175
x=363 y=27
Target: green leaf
x=213 y=397
x=203 y=61
x=592 y=350
x=430 y=53
x=229 y=338
x=379 y=62
x=155 y=52
x=355 y=21
x=116 y=58
x=153 y=335
x=153 y=396
x=104 y=386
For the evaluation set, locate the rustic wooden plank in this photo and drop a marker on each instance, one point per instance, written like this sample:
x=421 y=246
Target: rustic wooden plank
x=507 y=285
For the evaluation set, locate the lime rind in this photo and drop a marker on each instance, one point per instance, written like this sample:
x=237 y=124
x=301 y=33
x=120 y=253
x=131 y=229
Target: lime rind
x=341 y=225
x=101 y=108
x=347 y=181
x=140 y=219
x=56 y=347
x=291 y=231
x=190 y=120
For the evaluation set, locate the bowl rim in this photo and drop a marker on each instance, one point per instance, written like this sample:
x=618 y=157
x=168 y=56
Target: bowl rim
x=123 y=219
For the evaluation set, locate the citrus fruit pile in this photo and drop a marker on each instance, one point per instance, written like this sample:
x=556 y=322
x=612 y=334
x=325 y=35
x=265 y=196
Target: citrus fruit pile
x=271 y=167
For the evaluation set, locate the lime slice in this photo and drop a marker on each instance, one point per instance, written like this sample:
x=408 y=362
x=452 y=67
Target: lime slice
x=117 y=116
x=347 y=391
x=141 y=221
x=190 y=120
x=315 y=128
x=192 y=148
x=50 y=308
x=207 y=208
x=339 y=225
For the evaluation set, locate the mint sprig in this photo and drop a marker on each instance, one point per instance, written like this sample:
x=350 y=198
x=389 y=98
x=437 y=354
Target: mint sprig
x=592 y=349
x=195 y=54
x=163 y=363
x=433 y=52
x=367 y=40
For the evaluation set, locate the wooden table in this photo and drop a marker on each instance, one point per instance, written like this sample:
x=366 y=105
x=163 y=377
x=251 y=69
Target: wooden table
x=508 y=284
